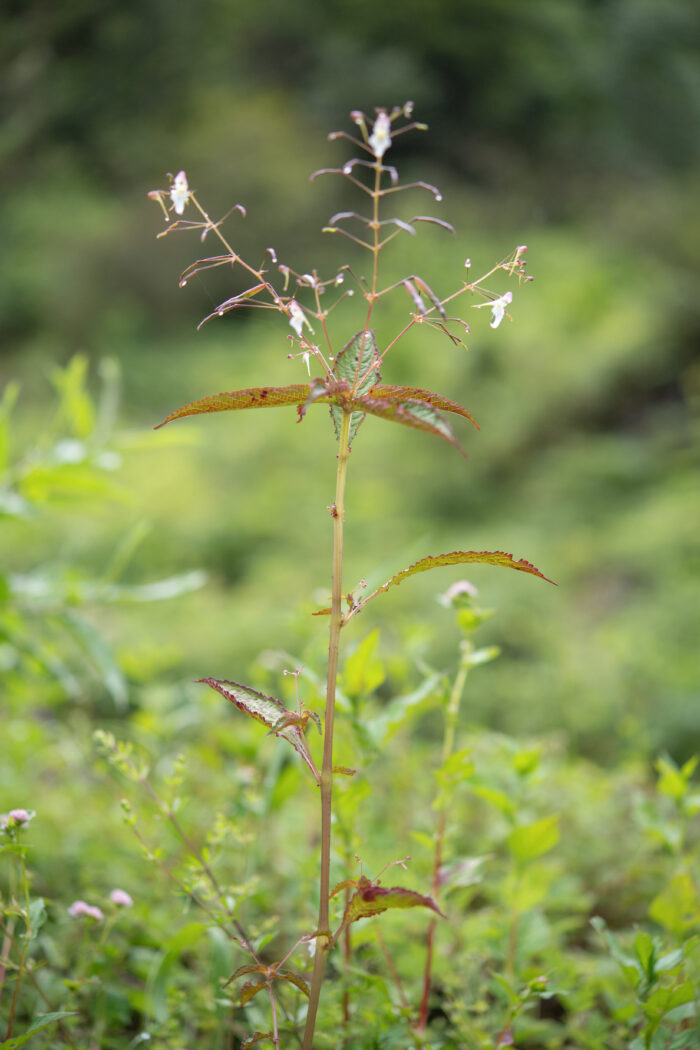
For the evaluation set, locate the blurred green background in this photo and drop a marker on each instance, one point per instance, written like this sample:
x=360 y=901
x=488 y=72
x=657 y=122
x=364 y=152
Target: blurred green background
x=563 y=124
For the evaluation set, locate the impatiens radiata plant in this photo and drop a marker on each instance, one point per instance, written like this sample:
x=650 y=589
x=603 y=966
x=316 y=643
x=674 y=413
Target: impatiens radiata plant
x=343 y=372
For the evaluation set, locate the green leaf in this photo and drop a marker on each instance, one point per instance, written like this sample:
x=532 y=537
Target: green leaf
x=363 y=671
x=415 y=414
x=101 y=655
x=644 y=949
x=76 y=412
x=7 y=403
x=264 y=709
x=628 y=965
x=532 y=840
x=436 y=561
x=483 y=656
x=371 y=899
x=354 y=365
x=401 y=709
x=677 y=907
x=37 y=915
x=253 y=397
x=414 y=393
x=156 y=1003
x=497 y=798
x=36 y=1026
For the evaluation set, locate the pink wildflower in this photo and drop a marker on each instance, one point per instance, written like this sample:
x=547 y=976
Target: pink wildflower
x=90 y=911
x=121 y=898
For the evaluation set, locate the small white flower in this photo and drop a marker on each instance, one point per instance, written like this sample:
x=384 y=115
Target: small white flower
x=179 y=192
x=380 y=139
x=297 y=318
x=121 y=898
x=498 y=308
x=311 y=946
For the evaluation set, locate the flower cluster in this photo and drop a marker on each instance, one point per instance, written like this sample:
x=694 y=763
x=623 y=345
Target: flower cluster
x=16 y=819
x=81 y=909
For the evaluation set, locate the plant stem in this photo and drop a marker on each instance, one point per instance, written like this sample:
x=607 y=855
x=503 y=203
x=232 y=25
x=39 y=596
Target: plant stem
x=323 y=940
x=451 y=717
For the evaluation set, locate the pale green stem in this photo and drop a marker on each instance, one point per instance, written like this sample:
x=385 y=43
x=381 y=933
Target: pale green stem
x=451 y=716
x=323 y=940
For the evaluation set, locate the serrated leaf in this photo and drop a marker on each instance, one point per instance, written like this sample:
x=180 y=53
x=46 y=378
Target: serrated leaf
x=256 y=1037
x=250 y=989
x=418 y=415
x=531 y=841
x=381 y=392
x=371 y=899
x=436 y=561
x=264 y=709
x=234 y=400
x=246 y=969
x=354 y=365
x=293 y=978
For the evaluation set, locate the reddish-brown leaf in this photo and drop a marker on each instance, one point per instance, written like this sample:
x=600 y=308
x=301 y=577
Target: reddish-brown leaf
x=251 y=989
x=419 y=415
x=267 y=710
x=256 y=1037
x=234 y=400
x=414 y=393
x=292 y=978
x=435 y=561
x=372 y=899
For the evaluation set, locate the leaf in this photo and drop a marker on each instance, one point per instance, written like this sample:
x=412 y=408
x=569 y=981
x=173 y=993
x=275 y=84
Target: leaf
x=250 y=989
x=436 y=561
x=264 y=709
x=371 y=899
x=532 y=840
x=415 y=414
x=42 y=1021
x=354 y=365
x=402 y=708
x=677 y=907
x=293 y=978
x=252 y=397
x=415 y=393
x=256 y=1037
x=363 y=671
x=156 y=996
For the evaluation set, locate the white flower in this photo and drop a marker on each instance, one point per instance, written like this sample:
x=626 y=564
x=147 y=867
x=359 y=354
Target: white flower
x=380 y=139
x=498 y=308
x=297 y=318
x=179 y=192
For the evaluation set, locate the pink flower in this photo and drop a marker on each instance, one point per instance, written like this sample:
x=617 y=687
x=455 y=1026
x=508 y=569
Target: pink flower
x=121 y=898
x=90 y=911
x=16 y=818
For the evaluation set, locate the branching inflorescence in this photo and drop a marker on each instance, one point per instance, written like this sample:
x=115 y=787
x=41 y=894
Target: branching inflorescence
x=349 y=381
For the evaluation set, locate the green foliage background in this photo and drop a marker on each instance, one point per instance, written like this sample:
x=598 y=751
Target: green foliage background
x=562 y=124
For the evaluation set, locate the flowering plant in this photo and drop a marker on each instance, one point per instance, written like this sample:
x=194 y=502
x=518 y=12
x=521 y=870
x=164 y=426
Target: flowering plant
x=347 y=378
